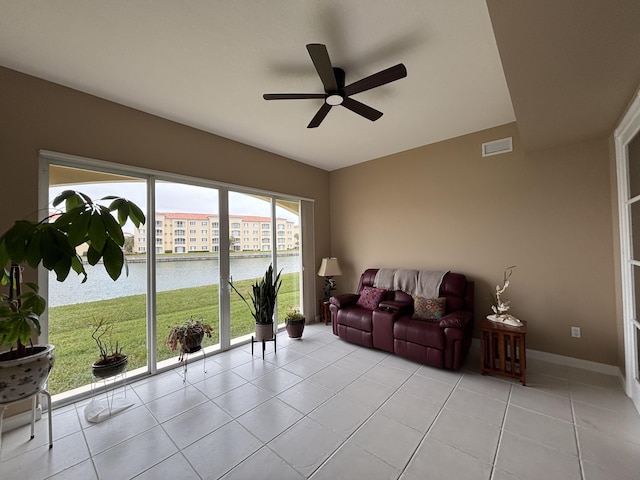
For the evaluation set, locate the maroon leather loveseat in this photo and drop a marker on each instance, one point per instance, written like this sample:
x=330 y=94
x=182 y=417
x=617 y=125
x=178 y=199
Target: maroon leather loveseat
x=390 y=325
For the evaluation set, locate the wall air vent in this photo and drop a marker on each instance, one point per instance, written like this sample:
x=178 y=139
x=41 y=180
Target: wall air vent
x=496 y=147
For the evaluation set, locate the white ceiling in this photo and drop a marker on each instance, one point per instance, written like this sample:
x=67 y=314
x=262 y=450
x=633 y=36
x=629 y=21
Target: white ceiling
x=207 y=63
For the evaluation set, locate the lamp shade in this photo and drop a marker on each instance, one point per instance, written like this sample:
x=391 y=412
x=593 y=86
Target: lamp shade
x=329 y=267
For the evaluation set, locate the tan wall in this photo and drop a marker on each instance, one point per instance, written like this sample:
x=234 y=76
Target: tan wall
x=443 y=206
x=41 y=115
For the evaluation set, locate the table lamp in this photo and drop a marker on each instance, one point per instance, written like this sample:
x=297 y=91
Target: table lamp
x=329 y=268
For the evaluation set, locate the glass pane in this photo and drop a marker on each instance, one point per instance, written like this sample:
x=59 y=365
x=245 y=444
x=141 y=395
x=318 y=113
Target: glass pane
x=635 y=230
x=637 y=373
x=187 y=243
x=634 y=165
x=250 y=229
x=74 y=306
x=289 y=259
x=636 y=286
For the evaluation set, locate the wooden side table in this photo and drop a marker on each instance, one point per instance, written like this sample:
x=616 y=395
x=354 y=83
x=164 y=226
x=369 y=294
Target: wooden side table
x=504 y=349
x=325 y=314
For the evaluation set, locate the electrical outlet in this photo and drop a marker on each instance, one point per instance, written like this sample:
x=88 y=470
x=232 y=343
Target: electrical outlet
x=575 y=332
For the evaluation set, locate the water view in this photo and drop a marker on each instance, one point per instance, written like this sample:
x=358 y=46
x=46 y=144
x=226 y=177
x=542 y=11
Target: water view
x=170 y=275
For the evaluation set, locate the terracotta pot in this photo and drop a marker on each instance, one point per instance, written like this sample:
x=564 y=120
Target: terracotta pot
x=295 y=328
x=264 y=331
x=22 y=377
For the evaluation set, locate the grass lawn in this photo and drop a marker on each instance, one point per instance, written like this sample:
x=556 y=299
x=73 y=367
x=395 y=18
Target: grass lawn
x=70 y=326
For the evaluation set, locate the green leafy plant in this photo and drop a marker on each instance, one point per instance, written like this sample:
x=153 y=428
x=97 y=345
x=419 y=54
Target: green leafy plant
x=188 y=335
x=263 y=295
x=52 y=243
x=293 y=315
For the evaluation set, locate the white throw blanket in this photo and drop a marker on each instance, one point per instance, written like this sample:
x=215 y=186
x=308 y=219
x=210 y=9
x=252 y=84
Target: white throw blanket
x=420 y=283
x=384 y=278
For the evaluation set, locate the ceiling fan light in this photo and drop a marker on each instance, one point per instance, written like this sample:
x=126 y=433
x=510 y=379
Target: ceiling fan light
x=334 y=99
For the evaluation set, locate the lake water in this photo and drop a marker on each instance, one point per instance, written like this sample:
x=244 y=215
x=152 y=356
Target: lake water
x=170 y=275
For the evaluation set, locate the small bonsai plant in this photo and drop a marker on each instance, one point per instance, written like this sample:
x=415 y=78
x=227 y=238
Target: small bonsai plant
x=188 y=336
x=103 y=336
x=52 y=242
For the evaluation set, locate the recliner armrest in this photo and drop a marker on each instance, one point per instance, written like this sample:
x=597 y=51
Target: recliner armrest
x=344 y=300
x=458 y=319
x=395 y=306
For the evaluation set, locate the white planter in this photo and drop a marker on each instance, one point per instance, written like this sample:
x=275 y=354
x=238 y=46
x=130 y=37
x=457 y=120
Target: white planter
x=264 y=331
x=22 y=377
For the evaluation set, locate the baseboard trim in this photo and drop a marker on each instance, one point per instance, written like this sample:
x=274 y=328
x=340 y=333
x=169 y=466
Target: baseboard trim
x=569 y=361
x=20 y=419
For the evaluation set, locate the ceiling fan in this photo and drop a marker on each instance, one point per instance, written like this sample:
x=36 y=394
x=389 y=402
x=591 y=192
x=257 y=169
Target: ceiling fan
x=335 y=92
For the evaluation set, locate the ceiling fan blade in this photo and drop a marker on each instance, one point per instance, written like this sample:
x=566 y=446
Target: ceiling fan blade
x=388 y=75
x=361 y=109
x=321 y=61
x=292 y=96
x=317 y=119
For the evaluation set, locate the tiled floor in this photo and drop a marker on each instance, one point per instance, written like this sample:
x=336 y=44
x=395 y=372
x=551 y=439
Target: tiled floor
x=321 y=408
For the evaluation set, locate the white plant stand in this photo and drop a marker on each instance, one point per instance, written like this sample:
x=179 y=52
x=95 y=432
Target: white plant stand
x=100 y=409
x=34 y=397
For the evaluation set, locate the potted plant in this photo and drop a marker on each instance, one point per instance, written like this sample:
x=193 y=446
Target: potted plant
x=112 y=361
x=263 y=295
x=52 y=243
x=294 y=321
x=188 y=336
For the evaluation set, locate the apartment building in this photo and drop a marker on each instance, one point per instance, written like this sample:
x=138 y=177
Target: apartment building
x=200 y=232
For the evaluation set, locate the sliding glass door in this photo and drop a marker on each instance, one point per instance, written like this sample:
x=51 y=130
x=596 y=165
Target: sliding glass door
x=75 y=308
x=197 y=236
x=187 y=257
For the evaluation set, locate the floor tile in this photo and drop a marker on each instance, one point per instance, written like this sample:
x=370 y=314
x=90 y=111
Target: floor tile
x=352 y=462
x=388 y=375
x=428 y=388
x=277 y=381
x=220 y=451
x=169 y=406
x=195 y=423
x=305 y=366
x=219 y=384
x=42 y=462
x=612 y=454
x=125 y=425
x=487 y=409
x=374 y=437
x=541 y=402
x=410 y=410
x=451 y=463
x=368 y=392
x=265 y=464
x=342 y=414
x=306 y=445
x=269 y=419
x=321 y=407
x=306 y=396
x=82 y=471
x=489 y=386
x=472 y=436
x=253 y=370
x=135 y=455
x=334 y=378
x=532 y=461
x=541 y=428
x=176 y=466
x=242 y=399
x=621 y=423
